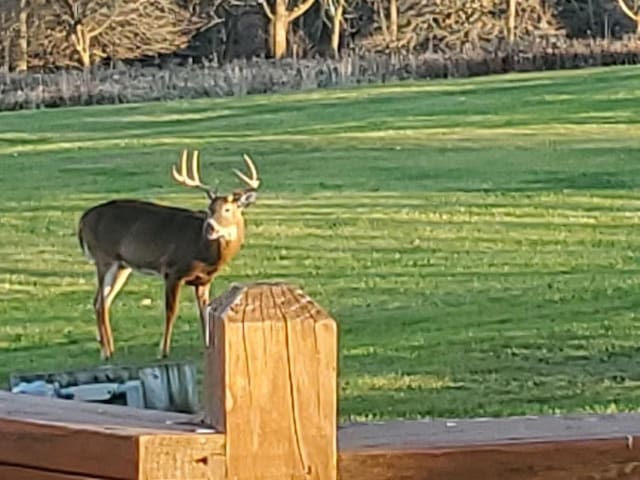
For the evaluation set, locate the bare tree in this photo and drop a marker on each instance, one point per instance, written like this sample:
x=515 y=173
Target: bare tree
x=83 y=32
x=631 y=14
x=333 y=16
x=336 y=26
x=453 y=25
x=22 y=62
x=6 y=33
x=511 y=21
x=14 y=33
x=393 y=20
x=280 y=17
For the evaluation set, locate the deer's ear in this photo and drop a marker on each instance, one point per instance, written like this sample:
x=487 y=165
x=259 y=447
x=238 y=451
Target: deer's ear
x=246 y=198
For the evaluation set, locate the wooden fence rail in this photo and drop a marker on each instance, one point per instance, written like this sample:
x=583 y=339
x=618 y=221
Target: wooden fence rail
x=269 y=412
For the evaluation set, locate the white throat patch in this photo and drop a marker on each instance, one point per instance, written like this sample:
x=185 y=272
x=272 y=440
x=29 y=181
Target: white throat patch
x=226 y=233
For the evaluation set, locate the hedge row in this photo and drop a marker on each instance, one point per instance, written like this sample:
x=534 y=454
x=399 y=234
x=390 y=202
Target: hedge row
x=129 y=84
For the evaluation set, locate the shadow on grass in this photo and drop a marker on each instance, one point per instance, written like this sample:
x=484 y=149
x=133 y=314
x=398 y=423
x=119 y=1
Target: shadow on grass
x=43 y=273
x=602 y=180
x=351 y=110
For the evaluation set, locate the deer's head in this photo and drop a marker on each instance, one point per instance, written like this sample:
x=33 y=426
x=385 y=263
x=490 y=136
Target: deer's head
x=225 y=212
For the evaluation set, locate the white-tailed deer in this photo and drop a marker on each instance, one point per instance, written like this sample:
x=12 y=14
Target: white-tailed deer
x=182 y=246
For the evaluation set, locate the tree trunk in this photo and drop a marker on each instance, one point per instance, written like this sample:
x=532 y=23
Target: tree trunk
x=336 y=28
x=22 y=62
x=82 y=44
x=280 y=18
x=279 y=29
x=511 y=21
x=383 y=20
x=393 y=20
x=5 y=42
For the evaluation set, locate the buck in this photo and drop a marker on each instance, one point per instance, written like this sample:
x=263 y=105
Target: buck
x=182 y=246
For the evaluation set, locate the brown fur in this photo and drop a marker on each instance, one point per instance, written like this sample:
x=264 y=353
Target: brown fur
x=181 y=246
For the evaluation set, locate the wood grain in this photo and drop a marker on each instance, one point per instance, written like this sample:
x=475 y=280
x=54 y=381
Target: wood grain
x=272 y=379
x=8 y=472
x=104 y=441
x=28 y=407
x=192 y=457
x=584 y=447
x=566 y=460
x=438 y=433
x=57 y=447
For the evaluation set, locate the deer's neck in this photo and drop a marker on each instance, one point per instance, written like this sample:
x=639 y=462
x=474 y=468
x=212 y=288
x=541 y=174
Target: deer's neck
x=230 y=245
x=226 y=245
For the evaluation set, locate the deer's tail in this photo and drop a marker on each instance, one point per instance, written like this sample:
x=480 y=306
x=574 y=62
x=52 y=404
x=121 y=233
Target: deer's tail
x=83 y=245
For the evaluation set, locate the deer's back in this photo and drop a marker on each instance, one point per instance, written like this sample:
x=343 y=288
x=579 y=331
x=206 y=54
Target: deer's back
x=141 y=234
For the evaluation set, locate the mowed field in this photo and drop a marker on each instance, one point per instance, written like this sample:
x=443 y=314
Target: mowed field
x=477 y=240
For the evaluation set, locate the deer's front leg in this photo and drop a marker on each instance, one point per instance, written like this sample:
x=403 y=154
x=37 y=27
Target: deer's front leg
x=202 y=299
x=172 y=292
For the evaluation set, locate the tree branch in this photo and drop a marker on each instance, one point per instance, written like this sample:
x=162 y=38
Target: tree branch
x=266 y=9
x=81 y=32
x=106 y=23
x=300 y=9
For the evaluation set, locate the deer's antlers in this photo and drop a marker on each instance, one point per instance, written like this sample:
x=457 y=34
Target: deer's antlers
x=192 y=179
x=254 y=181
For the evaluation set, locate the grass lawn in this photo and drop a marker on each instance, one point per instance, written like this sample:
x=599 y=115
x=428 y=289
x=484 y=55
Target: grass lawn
x=477 y=240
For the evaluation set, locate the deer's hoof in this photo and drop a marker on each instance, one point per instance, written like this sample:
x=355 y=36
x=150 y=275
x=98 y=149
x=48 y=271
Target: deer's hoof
x=105 y=355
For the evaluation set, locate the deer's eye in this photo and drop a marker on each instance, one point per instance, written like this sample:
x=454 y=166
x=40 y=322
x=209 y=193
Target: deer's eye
x=226 y=210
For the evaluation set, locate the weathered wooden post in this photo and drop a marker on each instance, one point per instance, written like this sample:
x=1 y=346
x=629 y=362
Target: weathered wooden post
x=270 y=383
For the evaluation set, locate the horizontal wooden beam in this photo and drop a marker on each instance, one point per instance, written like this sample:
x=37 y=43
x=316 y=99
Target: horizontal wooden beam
x=8 y=472
x=528 y=448
x=57 y=446
x=438 y=433
x=44 y=436
x=105 y=441
x=30 y=407
x=571 y=459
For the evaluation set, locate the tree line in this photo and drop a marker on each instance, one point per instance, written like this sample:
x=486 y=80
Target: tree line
x=41 y=34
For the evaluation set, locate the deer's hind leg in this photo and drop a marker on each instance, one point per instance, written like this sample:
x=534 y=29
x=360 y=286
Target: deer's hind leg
x=120 y=277
x=111 y=279
x=100 y=333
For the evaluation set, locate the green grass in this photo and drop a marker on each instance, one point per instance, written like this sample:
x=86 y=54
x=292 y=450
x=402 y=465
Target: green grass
x=477 y=240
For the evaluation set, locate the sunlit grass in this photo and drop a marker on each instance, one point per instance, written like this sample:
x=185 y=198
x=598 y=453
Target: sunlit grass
x=476 y=239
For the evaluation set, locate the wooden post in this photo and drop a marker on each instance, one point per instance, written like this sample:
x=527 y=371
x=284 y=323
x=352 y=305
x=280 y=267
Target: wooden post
x=270 y=383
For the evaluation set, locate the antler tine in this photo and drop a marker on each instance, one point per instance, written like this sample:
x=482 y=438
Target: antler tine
x=252 y=167
x=195 y=167
x=176 y=176
x=183 y=177
x=254 y=181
